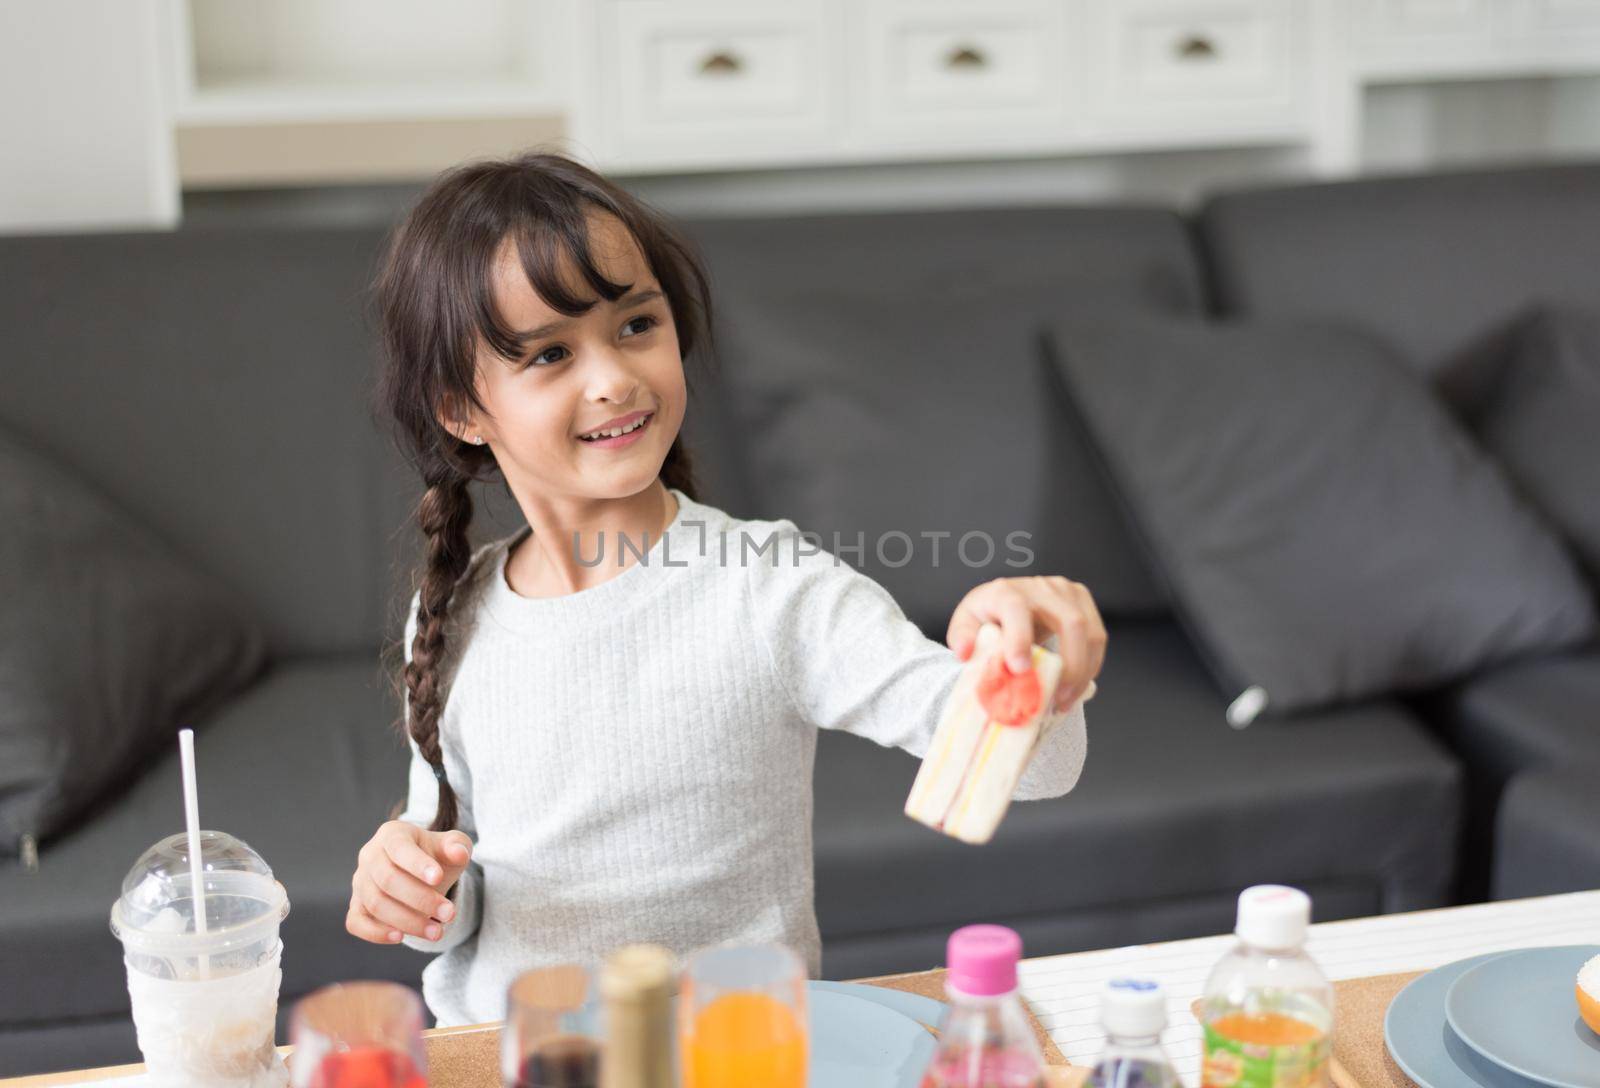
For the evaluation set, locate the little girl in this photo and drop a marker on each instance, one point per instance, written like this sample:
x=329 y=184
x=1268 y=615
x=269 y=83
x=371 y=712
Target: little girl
x=618 y=751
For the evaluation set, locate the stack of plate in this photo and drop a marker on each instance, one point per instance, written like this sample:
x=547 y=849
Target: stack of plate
x=869 y=1036
x=1505 y=1020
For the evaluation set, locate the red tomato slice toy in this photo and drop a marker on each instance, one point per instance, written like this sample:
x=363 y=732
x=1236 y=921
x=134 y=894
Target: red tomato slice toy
x=1006 y=698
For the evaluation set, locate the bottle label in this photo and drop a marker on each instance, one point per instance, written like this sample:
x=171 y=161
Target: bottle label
x=1231 y=1063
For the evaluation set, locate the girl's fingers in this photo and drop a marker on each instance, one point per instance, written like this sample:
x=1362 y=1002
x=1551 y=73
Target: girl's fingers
x=1096 y=631
x=363 y=925
x=1070 y=626
x=408 y=855
x=395 y=914
x=405 y=888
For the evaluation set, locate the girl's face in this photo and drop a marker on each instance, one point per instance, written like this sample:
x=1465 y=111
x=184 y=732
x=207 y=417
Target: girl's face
x=579 y=374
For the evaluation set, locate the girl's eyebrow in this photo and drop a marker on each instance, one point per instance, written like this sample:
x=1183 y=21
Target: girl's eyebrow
x=553 y=327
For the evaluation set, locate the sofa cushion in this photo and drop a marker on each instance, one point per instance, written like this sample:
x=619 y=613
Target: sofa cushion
x=1545 y=841
x=926 y=261
x=216 y=384
x=1172 y=805
x=843 y=392
x=1430 y=263
x=110 y=641
x=1536 y=713
x=303 y=766
x=1330 y=532
x=1533 y=397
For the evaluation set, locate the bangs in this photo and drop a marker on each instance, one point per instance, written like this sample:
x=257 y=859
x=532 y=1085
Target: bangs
x=551 y=236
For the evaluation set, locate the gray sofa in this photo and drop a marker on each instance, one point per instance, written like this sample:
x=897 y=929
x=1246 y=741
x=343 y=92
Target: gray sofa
x=214 y=382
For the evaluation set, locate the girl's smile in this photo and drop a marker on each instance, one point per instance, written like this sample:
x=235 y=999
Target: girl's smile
x=632 y=427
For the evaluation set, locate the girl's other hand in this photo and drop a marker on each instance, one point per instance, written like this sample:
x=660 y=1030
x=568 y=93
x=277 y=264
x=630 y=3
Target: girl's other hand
x=403 y=875
x=1029 y=610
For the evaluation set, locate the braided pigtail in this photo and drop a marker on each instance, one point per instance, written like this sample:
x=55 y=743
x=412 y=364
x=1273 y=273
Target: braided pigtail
x=444 y=514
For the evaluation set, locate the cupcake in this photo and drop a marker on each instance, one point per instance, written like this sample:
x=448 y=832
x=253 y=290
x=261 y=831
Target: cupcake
x=1589 y=994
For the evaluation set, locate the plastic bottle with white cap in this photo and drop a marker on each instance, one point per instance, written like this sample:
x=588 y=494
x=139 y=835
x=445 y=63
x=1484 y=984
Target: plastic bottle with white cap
x=1268 y=1008
x=1133 y=1012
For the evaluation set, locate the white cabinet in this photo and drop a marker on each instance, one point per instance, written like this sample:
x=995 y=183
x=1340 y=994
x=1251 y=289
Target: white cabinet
x=1197 y=70
x=948 y=74
x=712 y=82
x=1403 y=40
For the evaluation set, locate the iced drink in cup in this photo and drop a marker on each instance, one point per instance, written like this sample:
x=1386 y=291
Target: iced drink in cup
x=204 y=990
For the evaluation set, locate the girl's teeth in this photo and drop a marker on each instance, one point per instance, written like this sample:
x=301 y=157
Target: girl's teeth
x=617 y=431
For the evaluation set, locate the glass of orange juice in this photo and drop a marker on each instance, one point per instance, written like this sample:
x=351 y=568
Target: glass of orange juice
x=742 y=1018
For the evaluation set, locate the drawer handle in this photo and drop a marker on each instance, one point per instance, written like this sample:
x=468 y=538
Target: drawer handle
x=966 y=56
x=721 y=63
x=1195 y=47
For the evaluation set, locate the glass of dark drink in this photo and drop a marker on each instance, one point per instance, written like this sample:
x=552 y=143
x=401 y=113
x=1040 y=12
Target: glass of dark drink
x=358 y=1035
x=548 y=1040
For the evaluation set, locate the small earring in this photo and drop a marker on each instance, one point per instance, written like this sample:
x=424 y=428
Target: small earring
x=477 y=440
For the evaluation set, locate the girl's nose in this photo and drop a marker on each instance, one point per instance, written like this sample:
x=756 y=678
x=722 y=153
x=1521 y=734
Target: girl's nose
x=610 y=378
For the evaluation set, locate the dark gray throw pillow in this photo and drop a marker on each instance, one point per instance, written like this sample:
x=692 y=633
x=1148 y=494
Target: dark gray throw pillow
x=109 y=643
x=1328 y=530
x=873 y=415
x=1536 y=407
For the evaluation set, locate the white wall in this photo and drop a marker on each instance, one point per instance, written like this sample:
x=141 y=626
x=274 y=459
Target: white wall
x=85 y=130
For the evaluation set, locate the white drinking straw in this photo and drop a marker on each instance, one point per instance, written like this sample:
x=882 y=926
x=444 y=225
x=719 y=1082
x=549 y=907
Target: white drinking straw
x=191 y=816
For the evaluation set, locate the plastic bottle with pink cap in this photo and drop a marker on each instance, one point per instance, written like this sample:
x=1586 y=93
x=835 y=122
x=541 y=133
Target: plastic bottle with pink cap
x=985 y=1040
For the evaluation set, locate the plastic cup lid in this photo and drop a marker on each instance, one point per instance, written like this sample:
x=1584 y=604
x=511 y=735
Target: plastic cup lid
x=154 y=914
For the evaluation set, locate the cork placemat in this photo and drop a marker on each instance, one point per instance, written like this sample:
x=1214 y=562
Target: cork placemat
x=1360 y=1058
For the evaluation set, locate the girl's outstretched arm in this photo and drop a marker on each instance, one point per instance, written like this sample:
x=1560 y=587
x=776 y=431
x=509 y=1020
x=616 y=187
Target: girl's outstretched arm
x=849 y=659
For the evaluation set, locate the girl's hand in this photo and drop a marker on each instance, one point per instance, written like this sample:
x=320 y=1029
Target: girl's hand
x=403 y=875
x=1028 y=610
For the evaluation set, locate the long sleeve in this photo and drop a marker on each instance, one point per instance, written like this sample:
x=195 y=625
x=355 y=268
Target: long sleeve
x=422 y=801
x=850 y=659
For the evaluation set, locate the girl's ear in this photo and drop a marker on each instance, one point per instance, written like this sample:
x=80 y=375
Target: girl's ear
x=459 y=423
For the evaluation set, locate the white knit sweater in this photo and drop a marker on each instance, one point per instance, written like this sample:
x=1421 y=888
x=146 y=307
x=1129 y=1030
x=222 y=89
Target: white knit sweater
x=634 y=760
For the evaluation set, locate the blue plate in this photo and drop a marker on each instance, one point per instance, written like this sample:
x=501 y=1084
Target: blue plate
x=1423 y=1044
x=864 y=1044
x=1519 y=1011
x=924 y=1010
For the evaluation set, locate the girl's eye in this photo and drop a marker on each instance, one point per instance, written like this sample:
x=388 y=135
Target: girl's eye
x=555 y=353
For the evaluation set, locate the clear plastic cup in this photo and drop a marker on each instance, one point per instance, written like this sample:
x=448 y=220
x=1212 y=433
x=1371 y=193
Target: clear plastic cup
x=742 y=1018
x=204 y=1004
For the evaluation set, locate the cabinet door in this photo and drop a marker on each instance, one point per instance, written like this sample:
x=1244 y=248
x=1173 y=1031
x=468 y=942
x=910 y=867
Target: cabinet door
x=1559 y=33
x=721 y=81
x=954 y=75
x=1193 y=68
x=1400 y=37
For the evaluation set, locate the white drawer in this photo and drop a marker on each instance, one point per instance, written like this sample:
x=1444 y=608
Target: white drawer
x=1198 y=55
x=1553 y=15
x=1424 y=18
x=1398 y=37
x=712 y=76
x=933 y=65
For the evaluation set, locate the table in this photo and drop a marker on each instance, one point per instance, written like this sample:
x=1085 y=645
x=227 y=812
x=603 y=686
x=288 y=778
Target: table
x=1370 y=958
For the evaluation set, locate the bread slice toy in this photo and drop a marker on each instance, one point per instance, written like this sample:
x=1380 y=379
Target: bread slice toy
x=990 y=728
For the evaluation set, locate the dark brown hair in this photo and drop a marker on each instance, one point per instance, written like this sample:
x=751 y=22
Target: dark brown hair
x=434 y=302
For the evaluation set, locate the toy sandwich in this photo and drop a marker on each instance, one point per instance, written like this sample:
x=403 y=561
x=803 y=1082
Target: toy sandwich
x=991 y=725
